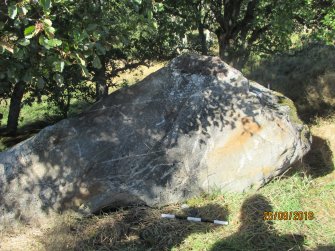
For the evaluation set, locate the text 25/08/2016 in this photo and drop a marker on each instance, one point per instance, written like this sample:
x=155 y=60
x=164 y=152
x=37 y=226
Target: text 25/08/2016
x=292 y=215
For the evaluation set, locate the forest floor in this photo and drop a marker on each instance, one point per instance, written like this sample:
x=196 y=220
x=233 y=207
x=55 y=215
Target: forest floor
x=309 y=187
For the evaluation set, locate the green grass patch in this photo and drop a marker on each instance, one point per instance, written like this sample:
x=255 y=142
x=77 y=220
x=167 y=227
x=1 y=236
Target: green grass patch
x=141 y=228
x=308 y=188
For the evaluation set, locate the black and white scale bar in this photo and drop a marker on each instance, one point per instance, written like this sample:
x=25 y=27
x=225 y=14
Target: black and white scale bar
x=172 y=216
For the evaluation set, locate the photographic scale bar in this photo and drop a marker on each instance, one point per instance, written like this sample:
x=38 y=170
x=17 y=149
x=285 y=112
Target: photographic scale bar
x=172 y=216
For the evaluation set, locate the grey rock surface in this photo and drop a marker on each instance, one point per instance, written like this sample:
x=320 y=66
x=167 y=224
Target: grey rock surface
x=194 y=125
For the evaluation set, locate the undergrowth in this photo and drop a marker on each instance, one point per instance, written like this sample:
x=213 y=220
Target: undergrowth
x=305 y=75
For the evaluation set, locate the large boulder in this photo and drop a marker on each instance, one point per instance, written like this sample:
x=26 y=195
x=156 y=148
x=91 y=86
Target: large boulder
x=194 y=125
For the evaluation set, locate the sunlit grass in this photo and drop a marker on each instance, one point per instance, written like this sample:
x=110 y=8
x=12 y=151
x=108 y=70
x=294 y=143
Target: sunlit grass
x=122 y=230
x=143 y=229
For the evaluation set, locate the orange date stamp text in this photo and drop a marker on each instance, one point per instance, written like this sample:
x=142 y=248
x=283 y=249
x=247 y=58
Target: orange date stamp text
x=286 y=215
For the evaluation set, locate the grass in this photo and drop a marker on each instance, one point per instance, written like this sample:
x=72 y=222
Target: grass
x=309 y=186
x=306 y=75
x=38 y=115
x=303 y=188
x=131 y=77
x=33 y=118
x=143 y=229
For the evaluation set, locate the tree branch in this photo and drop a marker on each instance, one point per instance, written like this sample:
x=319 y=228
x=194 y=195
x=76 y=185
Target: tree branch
x=174 y=11
x=216 y=8
x=231 y=12
x=249 y=16
x=255 y=35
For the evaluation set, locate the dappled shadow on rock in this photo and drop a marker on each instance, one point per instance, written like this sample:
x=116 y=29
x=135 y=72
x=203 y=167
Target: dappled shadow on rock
x=159 y=142
x=256 y=234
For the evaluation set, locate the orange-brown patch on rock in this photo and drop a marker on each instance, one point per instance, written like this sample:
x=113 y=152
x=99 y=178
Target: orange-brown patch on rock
x=245 y=130
x=267 y=171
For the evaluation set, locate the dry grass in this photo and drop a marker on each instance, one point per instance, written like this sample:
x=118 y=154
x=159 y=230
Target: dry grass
x=131 y=77
x=310 y=186
x=306 y=76
x=142 y=228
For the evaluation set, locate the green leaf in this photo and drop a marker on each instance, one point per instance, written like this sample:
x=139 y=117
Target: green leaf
x=100 y=49
x=81 y=60
x=149 y=14
x=18 y=53
x=160 y=7
x=96 y=62
x=40 y=83
x=54 y=42
x=2 y=25
x=42 y=41
x=91 y=27
x=23 y=10
x=50 y=31
x=17 y=23
x=96 y=35
x=12 y=11
x=47 y=22
x=24 y=41
x=58 y=66
x=29 y=32
x=49 y=43
x=59 y=79
x=27 y=76
x=46 y=4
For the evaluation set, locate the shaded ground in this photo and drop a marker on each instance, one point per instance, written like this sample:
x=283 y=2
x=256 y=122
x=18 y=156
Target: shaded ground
x=255 y=233
x=141 y=228
x=308 y=187
x=307 y=76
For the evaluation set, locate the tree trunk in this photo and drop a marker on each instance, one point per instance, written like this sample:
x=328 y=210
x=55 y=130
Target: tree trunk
x=15 y=108
x=101 y=87
x=242 y=59
x=202 y=36
x=230 y=53
x=224 y=52
x=67 y=103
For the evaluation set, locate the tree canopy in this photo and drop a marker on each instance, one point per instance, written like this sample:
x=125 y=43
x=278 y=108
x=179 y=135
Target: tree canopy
x=54 y=48
x=256 y=26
